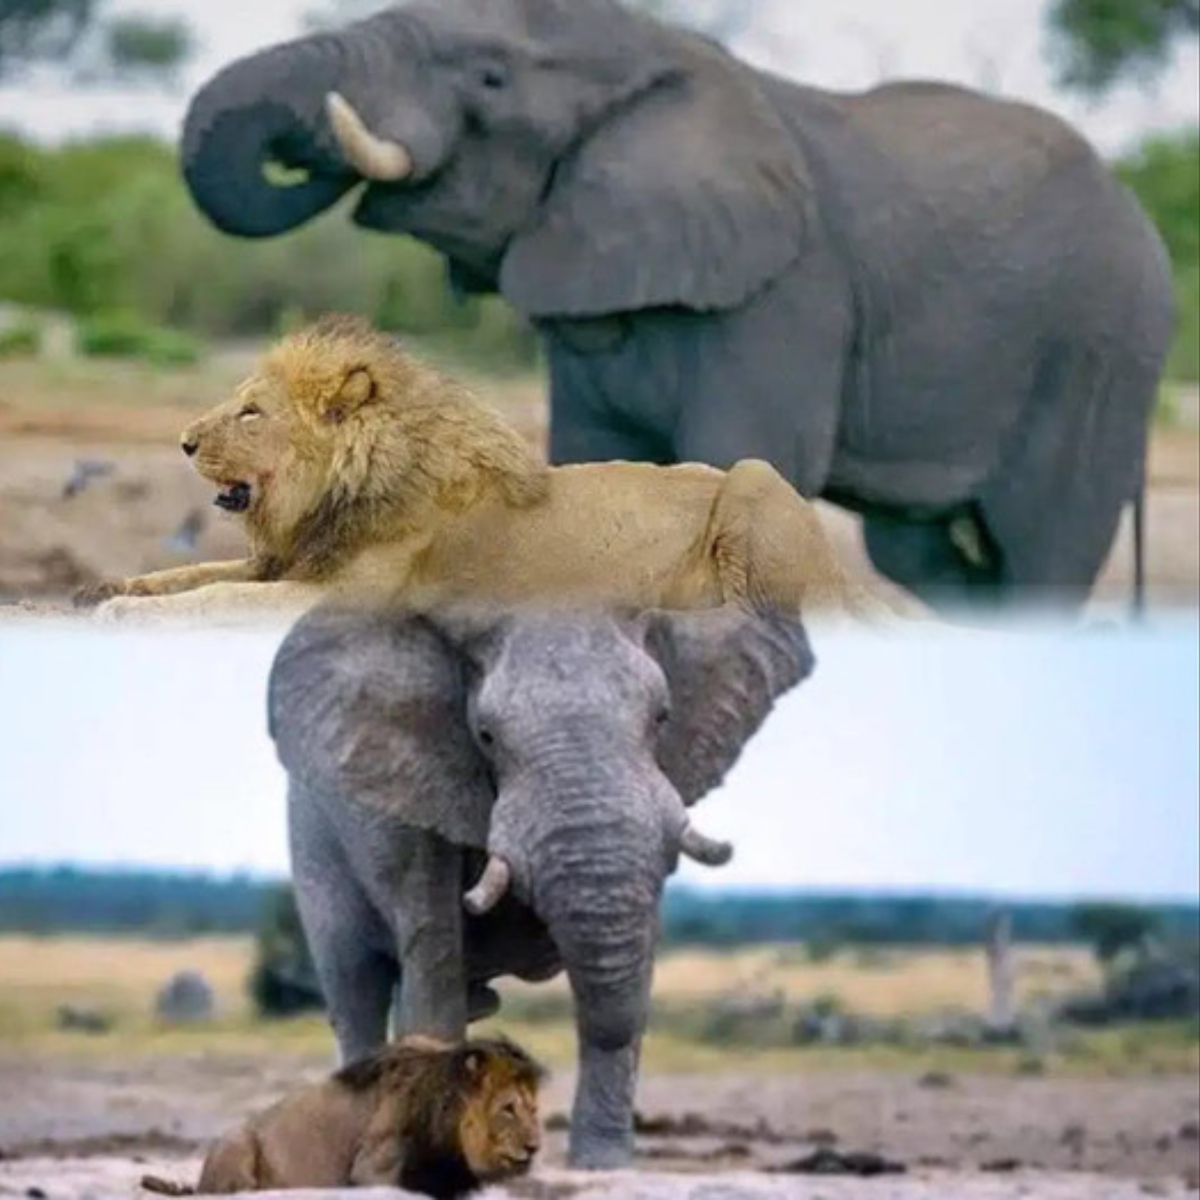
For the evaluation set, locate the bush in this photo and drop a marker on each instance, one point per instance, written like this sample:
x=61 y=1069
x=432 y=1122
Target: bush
x=283 y=982
x=22 y=340
x=124 y=334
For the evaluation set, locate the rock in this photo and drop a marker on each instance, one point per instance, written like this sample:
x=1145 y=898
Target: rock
x=187 y=998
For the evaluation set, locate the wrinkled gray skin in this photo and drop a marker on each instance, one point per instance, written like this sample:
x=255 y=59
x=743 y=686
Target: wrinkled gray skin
x=931 y=306
x=567 y=747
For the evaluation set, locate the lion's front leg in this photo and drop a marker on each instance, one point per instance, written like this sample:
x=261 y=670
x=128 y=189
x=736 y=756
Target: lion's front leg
x=216 y=603
x=167 y=583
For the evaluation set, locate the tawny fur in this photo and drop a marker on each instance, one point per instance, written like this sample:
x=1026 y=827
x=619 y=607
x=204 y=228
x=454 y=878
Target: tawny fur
x=436 y=1118
x=379 y=478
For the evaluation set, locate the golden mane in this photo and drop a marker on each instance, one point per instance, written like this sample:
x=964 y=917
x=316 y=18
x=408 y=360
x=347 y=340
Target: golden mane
x=398 y=435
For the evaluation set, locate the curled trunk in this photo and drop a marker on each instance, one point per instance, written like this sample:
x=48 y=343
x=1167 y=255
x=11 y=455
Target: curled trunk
x=266 y=111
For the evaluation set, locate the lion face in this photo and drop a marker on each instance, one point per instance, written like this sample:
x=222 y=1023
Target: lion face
x=245 y=444
x=499 y=1129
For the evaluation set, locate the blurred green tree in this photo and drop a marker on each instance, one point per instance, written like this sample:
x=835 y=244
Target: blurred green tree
x=81 y=39
x=1113 y=929
x=1102 y=42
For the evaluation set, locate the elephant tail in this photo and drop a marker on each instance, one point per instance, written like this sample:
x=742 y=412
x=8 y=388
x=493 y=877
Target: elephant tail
x=1139 y=552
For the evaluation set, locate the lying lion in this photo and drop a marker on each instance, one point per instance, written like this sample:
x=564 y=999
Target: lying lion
x=434 y=1118
x=358 y=469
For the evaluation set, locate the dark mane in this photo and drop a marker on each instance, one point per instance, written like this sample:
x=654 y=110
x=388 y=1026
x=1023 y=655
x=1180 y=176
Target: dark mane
x=438 y=1084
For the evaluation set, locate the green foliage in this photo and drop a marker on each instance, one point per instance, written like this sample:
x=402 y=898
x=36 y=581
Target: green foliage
x=148 y=45
x=1113 y=929
x=20 y=340
x=1101 y=42
x=1164 y=173
x=107 y=225
x=123 y=334
x=80 y=37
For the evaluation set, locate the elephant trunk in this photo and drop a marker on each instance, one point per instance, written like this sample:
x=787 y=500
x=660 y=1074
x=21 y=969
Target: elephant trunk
x=262 y=111
x=588 y=848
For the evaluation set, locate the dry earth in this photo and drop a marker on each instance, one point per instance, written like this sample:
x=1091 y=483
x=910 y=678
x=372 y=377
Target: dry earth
x=90 y=1128
x=129 y=417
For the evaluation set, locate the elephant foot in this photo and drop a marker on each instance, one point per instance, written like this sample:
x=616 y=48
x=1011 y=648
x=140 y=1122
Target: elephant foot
x=588 y=1154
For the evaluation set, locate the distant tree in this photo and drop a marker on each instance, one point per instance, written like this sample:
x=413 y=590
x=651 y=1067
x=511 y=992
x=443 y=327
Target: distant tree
x=1102 y=42
x=1113 y=929
x=722 y=19
x=80 y=39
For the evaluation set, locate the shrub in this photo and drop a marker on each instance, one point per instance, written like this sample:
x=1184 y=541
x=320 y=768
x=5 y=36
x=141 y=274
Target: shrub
x=21 y=340
x=123 y=334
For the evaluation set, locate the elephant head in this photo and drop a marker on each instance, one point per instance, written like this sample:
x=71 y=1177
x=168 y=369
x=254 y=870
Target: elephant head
x=567 y=747
x=577 y=156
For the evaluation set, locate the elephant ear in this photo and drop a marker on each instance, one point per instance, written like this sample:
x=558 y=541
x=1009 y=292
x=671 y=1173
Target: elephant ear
x=726 y=669
x=372 y=708
x=694 y=195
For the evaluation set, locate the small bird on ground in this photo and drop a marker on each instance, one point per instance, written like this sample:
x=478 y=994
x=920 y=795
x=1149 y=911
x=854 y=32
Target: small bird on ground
x=82 y=474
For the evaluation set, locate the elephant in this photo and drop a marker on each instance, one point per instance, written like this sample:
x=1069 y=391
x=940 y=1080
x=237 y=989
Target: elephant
x=930 y=306
x=492 y=794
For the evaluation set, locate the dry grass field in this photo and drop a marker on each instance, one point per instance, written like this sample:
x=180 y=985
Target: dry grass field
x=1112 y=1115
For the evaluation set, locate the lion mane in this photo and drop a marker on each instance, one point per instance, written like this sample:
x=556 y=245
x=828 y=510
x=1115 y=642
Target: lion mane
x=407 y=437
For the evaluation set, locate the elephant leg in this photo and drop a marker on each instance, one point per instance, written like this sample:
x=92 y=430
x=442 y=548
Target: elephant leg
x=602 y=1115
x=766 y=381
x=950 y=564
x=1055 y=502
x=357 y=978
x=346 y=935
x=429 y=936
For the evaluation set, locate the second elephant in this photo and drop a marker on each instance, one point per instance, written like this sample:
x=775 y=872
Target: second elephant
x=542 y=767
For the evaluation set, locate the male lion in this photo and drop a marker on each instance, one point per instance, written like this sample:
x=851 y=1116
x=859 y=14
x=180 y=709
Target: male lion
x=428 y=1116
x=359 y=470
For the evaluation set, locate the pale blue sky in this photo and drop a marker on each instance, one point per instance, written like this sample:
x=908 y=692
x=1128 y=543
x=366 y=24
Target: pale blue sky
x=1024 y=762
x=999 y=44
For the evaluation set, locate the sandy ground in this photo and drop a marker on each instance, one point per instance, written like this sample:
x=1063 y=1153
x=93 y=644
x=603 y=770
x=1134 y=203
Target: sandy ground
x=123 y=522
x=70 y=1130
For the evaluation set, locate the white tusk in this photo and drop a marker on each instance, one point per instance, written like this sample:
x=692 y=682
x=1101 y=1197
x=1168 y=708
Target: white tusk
x=372 y=157
x=490 y=889
x=703 y=849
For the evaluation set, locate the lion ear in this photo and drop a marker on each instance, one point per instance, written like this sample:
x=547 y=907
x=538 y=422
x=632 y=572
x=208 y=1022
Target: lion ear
x=473 y=1064
x=355 y=390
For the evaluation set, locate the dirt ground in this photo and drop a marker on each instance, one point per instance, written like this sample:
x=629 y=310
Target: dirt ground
x=90 y=1127
x=148 y=510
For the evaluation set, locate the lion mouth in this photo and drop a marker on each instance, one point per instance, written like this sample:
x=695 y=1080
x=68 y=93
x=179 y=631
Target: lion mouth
x=234 y=497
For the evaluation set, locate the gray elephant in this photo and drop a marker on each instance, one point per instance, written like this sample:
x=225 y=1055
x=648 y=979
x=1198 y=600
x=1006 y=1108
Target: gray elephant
x=471 y=798
x=934 y=307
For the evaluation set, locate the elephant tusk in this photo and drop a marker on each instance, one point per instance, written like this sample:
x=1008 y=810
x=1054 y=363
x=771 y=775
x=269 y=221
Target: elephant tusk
x=372 y=157
x=703 y=849
x=490 y=889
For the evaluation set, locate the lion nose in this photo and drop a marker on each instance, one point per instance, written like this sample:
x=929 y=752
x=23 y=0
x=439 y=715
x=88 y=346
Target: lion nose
x=189 y=446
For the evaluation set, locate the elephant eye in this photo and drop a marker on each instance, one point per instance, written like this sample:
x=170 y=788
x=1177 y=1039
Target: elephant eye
x=486 y=737
x=662 y=716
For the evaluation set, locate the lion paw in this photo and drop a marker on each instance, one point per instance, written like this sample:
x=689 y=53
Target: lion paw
x=93 y=594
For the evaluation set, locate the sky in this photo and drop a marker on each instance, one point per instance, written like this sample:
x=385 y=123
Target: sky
x=1000 y=44
x=1020 y=763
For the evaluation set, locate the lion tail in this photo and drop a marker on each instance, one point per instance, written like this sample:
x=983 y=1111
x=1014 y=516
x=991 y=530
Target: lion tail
x=166 y=1187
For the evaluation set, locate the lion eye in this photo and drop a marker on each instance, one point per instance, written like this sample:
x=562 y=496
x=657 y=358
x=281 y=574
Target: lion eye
x=250 y=412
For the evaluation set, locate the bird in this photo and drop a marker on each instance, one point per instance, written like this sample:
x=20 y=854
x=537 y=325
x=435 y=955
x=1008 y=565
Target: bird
x=188 y=533
x=82 y=474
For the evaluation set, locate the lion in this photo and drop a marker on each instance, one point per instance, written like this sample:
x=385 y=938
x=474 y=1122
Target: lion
x=360 y=470
x=430 y=1116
